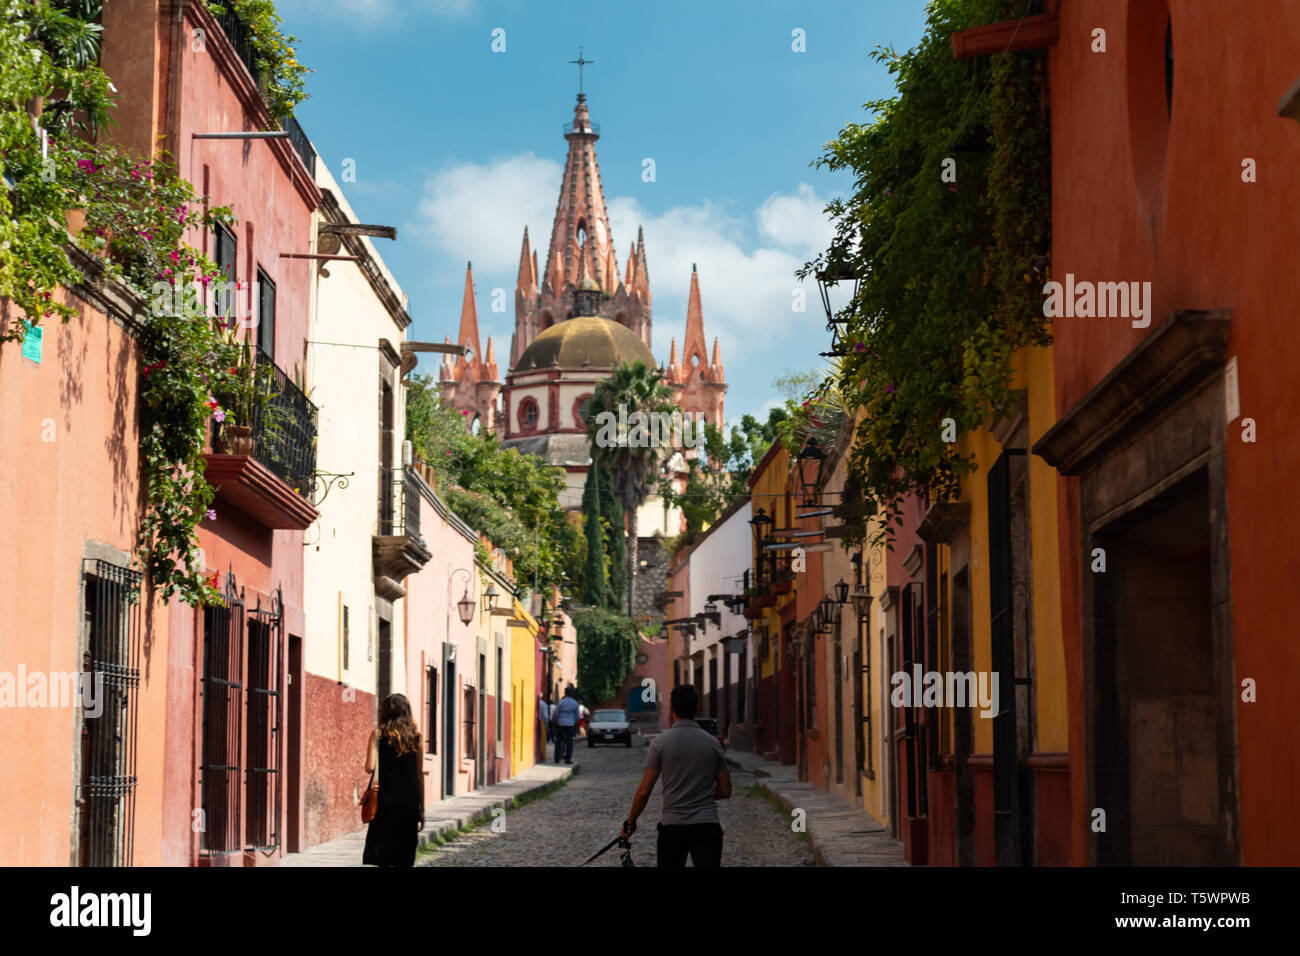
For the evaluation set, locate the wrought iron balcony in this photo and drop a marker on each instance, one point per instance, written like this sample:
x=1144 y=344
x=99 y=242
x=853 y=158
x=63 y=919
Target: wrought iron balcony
x=285 y=432
x=280 y=443
x=399 y=503
x=399 y=550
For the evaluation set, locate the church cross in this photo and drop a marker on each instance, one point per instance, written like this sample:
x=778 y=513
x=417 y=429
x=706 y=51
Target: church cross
x=581 y=63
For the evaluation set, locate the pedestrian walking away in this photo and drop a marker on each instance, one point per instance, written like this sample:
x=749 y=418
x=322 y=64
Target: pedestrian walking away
x=694 y=771
x=565 y=715
x=544 y=716
x=394 y=756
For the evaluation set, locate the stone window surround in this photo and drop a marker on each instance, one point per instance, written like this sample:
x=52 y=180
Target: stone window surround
x=1154 y=421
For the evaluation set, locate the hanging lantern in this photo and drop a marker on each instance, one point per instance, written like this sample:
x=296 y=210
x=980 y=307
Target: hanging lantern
x=842 y=592
x=466 y=607
x=810 y=459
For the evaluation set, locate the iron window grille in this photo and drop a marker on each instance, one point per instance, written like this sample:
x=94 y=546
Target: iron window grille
x=223 y=712
x=108 y=783
x=265 y=666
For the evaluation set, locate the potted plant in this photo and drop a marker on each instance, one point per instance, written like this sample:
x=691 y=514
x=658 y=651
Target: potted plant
x=243 y=396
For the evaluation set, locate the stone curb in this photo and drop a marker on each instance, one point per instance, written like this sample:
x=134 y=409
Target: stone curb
x=836 y=844
x=441 y=818
x=440 y=825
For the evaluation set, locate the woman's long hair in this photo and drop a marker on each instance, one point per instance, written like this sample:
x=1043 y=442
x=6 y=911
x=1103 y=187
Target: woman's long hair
x=396 y=725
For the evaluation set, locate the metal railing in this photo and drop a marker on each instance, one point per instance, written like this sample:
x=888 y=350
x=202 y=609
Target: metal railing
x=241 y=39
x=285 y=430
x=399 y=503
x=301 y=144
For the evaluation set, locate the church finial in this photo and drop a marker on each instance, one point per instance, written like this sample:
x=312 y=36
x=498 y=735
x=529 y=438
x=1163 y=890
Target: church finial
x=580 y=64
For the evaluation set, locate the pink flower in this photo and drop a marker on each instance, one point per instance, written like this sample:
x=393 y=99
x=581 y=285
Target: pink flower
x=211 y=516
x=888 y=389
x=218 y=416
x=212 y=403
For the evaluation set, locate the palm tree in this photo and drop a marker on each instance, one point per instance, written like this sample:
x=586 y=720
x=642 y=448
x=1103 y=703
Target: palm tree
x=624 y=444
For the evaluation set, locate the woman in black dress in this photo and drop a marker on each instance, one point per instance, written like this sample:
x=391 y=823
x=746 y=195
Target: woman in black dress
x=394 y=749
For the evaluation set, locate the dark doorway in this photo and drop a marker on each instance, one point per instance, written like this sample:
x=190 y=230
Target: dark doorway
x=449 y=729
x=1161 y=773
x=384 y=674
x=480 y=764
x=293 y=838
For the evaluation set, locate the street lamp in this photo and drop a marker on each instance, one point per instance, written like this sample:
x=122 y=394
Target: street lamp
x=835 y=272
x=810 y=459
x=862 y=604
x=490 y=597
x=828 y=609
x=842 y=592
x=466 y=607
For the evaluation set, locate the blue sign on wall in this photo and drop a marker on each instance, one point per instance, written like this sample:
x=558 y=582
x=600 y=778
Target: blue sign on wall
x=32 y=342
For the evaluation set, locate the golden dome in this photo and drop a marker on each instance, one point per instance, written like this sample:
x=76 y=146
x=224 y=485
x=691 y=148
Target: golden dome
x=585 y=340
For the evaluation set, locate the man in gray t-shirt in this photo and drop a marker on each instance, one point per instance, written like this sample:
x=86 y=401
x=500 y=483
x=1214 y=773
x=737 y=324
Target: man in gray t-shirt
x=695 y=774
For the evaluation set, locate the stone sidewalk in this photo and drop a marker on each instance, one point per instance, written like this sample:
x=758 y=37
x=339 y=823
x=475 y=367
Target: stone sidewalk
x=441 y=817
x=840 y=835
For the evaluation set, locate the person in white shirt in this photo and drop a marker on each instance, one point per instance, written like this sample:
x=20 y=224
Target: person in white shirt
x=544 y=716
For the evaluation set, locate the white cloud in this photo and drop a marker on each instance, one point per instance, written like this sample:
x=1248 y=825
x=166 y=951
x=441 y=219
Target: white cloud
x=477 y=212
x=797 y=222
x=746 y=284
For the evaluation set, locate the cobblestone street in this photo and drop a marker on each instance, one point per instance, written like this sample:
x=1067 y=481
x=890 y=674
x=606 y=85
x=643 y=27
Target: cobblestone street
x=566 y=826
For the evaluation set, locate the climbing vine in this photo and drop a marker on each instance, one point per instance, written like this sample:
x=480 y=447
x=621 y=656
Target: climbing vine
x=63 y=191
x=950 y=265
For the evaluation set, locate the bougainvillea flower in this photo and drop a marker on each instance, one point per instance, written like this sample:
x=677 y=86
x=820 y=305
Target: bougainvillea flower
x=218 y=416
x=211 y=516
x=212 y=403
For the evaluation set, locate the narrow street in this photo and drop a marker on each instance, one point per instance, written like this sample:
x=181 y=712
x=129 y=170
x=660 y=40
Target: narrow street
x=568 y=825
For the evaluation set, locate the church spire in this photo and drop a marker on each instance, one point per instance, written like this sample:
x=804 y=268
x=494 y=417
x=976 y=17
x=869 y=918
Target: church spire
x=693 y=347
x=527 y=282
x=581 y=230
x=469 y=317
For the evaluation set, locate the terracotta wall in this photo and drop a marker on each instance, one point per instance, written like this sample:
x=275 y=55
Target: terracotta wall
x=1137 y=197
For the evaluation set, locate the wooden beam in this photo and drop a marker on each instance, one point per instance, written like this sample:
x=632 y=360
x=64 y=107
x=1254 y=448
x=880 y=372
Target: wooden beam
x=358 y=229
x=1006 y=37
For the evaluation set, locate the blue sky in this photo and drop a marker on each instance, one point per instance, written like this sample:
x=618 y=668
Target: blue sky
x=461 y=147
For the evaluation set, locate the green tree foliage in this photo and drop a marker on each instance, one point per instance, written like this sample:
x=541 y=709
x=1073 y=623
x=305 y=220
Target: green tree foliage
x=595 y=589
x=629 y=453
x=614 y=521
x=951 y=271
x=719 y=475
x=607 y=644
x=512 y=498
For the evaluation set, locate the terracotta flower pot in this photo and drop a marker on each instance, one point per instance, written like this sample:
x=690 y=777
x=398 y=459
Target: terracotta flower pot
x=234 y=440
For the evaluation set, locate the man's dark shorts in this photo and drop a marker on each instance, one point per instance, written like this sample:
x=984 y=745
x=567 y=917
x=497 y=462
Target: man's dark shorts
x=703 y=841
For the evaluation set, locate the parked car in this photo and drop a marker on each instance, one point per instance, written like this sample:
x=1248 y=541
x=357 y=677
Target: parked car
x=711 y=725
x=609 y=727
